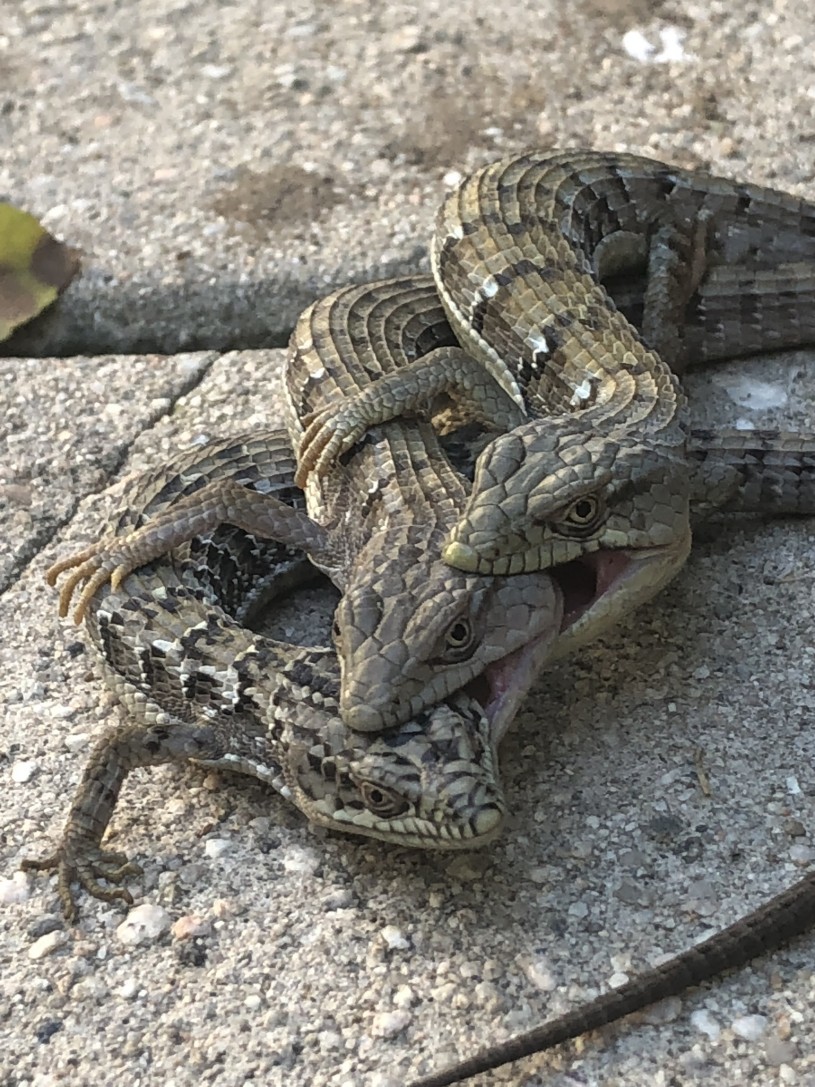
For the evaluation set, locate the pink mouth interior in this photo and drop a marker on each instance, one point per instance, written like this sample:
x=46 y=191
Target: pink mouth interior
x=587 y=579
x=504 y=684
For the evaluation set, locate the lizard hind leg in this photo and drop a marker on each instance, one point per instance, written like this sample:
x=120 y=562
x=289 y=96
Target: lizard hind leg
x=79 y=856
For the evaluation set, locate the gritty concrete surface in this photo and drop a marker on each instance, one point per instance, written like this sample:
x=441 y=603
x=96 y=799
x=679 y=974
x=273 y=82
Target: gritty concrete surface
x=295 y=957
x=221 y=164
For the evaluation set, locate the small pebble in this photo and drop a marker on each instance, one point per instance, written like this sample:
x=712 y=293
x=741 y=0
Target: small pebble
x=302 y=861
x=215 y=848
x=328 y=1040
x=91 y=988
x=339 y=898
x=749 y=1027
x=191 y=924
x=48 y=943
x=23 y=771
x=76 y=741
x=389 y=1024
x=704 y=1022
x=143 y=924
x=404 y=997
x=15 y=889
x=540 y=974
x=394 y=938
x=129 y=989
x=407 y=39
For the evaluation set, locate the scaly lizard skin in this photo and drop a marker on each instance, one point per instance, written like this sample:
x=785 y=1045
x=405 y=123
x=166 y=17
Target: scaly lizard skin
x=197 y=683
x=520 y=249
x=409 y=630
x=344 y=338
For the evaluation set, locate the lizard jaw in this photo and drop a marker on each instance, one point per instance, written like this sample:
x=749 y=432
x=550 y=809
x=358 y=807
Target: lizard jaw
x=603 y=586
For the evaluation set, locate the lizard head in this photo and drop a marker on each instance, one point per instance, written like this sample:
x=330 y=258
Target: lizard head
x=607 y=514
x=409 y=631
x=432 y=783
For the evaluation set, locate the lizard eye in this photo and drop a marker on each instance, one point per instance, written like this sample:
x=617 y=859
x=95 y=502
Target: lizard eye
x=582 y=516
x=459 y=641
x=583 y=511
x=382 y=801
x=459 y=634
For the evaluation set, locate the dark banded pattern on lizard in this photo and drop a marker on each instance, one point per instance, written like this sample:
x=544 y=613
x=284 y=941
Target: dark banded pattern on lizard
x=520 y=249
x=198 y=683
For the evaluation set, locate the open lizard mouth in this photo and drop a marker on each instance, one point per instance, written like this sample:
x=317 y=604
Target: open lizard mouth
x=585 y=580
x=602 y=586
x=597 y=589
x=504 y=684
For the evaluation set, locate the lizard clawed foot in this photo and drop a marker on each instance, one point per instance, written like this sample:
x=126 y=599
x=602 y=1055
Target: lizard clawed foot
x=107 y=560
x=83 y=861
x=328 y=434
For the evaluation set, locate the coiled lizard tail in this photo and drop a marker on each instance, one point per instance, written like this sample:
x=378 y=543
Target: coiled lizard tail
x=198 y=684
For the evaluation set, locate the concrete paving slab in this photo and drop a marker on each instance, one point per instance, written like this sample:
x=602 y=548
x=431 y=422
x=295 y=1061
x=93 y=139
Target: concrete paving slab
x=220 y=165
x=304 y=958
x=66 y=429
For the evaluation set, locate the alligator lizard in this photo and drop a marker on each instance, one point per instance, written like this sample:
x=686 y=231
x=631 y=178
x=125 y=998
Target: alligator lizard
x=348 y=330
x=520 y=248
x=409 y=630
x=197 y=683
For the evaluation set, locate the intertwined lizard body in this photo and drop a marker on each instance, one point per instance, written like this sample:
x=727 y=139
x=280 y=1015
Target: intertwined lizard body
x=198 y=683
x=520 y=248
x=617 y=499
x=409 y=630
x=400 y=320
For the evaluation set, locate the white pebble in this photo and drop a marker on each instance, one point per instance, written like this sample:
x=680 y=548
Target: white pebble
x=328 y=1040
x=540 y=974
x=704 y=1022
x=15 y=889
x=47 y=943
x=404 y=997
x=90 y=988
x=62 y=712
x=749 y=1027
x=215 y=848
x=301 y=861
x=76 y=741
x=617 y=979
x=129 y=989
x=23 y=771
x=389 y=1024
x=142 y=924
x=395 y=938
